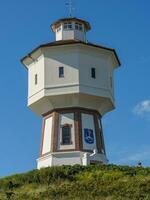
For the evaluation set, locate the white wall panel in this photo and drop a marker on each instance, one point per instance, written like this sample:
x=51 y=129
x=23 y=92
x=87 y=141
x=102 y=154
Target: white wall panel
x=66 y=159
x=44 y=162
x=88 y=123
x=36 y=68
x=47 y=136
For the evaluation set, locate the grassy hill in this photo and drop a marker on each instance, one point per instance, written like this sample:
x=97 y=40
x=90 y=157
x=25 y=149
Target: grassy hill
x=106 y=182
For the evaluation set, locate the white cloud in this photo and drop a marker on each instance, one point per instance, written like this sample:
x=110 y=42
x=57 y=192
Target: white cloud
x=142 y=108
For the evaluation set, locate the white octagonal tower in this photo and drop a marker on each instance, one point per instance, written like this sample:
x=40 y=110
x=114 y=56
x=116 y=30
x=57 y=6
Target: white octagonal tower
x=70 y=83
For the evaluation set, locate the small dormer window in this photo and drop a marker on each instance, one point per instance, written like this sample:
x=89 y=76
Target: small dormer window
x=78 y=26
x=68 y=25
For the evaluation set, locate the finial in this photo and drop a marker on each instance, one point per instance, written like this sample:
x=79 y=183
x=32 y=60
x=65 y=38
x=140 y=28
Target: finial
x=69 y=4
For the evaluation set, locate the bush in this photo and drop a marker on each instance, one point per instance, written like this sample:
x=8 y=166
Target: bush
x=105 y=182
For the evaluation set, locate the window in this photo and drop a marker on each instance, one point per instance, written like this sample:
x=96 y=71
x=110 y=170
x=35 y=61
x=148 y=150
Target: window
x=68 y=25
x=61 y=72
x=93 y=72
x=58 y=28
x=35 y=79
x=111 y=82
x=65 y=25
x=66 y=134
x=78 y=26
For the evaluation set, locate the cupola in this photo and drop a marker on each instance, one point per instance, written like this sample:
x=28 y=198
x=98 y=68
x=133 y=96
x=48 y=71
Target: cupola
x=70 y=29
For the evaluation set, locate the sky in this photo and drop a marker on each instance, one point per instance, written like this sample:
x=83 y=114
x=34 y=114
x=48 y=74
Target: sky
x=122 y=25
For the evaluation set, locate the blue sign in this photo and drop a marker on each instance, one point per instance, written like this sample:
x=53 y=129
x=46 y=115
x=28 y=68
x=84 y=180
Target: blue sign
x=88 y=136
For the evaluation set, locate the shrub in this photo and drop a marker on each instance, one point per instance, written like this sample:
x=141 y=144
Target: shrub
x=105 y=182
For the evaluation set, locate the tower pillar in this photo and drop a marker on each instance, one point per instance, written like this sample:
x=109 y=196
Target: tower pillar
x=68 y=134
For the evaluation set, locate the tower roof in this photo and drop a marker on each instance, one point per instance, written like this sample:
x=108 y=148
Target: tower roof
x=68 y=42
x=58 y=22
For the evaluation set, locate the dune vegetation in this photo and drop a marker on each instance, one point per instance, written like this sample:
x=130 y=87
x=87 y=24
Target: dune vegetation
x=105 y=182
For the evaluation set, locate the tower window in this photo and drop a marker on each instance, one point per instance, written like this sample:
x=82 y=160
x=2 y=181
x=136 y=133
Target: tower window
x=61 y=72
x=35 y=79
x=93 y=72
x=66 y=135
x=111 y=82
x=68 y=25
x=78 y=26
x=59 y=28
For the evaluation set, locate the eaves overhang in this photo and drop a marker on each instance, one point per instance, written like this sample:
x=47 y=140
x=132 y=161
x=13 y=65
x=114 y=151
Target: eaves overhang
x=69 y=42
x=58 y=22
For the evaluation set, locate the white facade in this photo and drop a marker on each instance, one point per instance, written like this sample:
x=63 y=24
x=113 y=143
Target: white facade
x=77 y=83
x=69 y=158
x=70 y=83
x=35 y=68
x=67 y=154
x=67 y=118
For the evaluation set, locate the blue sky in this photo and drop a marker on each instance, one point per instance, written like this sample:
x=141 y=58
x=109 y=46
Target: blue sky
x=123 y=25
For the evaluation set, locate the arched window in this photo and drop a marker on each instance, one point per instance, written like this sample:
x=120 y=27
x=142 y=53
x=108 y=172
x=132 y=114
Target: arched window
x=66 y=134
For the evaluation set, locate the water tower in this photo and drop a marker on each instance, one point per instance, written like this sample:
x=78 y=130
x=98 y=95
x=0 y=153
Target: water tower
x=71 y=84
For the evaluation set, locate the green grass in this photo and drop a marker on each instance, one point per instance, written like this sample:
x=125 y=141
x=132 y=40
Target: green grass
x=105 y=182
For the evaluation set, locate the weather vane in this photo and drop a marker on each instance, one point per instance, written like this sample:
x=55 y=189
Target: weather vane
x=69 y=4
